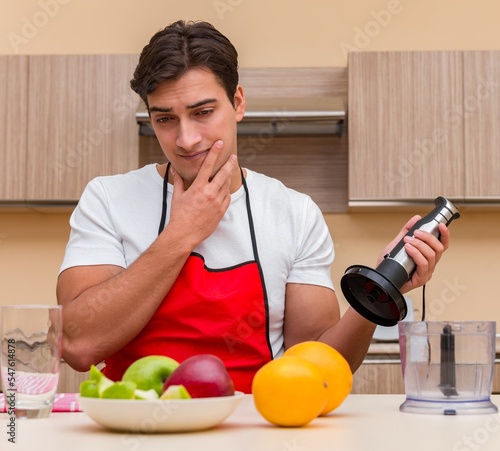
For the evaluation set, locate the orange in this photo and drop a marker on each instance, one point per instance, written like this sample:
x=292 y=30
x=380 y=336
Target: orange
x=289 y=391
x=334 y=368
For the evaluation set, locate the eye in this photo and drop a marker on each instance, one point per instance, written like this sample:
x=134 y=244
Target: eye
x=165 y=120
x=205 y=112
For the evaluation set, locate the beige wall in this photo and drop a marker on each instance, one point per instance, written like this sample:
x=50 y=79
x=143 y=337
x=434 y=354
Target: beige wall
x=273 y=33
x=266 y=32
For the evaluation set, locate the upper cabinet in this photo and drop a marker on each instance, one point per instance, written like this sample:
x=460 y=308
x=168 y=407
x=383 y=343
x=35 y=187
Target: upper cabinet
x=406 y=128
x=481 y=113
x=13 y=114
x=81 y=123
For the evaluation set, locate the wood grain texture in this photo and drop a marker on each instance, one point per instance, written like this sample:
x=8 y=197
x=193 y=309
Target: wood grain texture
x=482 y=124
x=378 y=378
x=13 y=119
x=81 y=122
x=294 y=82
x=405 y=126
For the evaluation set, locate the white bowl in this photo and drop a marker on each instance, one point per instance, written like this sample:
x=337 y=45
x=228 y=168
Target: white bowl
x=172 y=415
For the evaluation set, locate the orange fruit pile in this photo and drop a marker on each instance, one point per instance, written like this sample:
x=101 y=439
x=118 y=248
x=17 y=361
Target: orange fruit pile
x=309 y=380
x=334 y=368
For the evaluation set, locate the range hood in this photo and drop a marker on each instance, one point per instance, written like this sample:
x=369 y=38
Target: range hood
x=279 y=116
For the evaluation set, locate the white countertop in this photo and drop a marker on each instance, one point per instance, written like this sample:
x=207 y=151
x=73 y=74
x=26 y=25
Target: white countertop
x=362 y=423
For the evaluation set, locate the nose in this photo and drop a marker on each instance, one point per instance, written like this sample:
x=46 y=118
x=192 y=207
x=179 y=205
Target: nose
x=188 y=135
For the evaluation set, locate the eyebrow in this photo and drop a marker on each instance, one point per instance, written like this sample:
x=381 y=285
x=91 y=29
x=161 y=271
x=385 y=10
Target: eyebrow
x=159 y=109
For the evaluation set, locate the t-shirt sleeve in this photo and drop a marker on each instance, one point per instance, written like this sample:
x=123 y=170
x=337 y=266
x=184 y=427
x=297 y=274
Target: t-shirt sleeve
x=314 y=253
x=93 y=239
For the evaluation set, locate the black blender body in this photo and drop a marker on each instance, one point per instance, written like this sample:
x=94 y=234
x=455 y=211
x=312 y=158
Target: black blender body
x=375 y=293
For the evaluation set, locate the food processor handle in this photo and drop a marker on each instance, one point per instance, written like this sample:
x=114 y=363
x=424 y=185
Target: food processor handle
x=443 y=213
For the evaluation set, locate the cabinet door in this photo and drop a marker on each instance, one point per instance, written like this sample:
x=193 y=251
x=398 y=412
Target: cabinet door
x=81 y=123
x=13 y=114
x=482 y=125
x=405 y=125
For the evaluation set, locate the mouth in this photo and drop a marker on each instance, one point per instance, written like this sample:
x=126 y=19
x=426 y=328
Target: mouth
x=195 y=155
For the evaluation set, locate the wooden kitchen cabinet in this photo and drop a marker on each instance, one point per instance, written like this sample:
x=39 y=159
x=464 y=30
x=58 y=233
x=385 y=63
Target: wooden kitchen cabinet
x=385 y=377
x=482 y=124
x=13 y=114
x=406 y=133
x=81 y=123
x=378 y=377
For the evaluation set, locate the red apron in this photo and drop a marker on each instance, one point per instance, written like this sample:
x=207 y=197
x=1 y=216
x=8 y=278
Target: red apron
x=223 y=312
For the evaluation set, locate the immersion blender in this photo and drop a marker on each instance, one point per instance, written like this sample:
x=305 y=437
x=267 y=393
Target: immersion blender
x=375 y=293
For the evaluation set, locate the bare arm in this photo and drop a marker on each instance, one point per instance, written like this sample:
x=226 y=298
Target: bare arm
x=312 y=312
x=106 y=306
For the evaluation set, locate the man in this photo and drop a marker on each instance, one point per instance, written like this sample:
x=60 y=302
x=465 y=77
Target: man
x=199 y=255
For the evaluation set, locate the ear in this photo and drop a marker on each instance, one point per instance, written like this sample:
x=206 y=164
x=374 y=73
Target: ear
x=239 y=103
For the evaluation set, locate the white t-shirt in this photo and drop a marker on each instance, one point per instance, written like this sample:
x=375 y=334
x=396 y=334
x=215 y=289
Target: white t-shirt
x=117 y=219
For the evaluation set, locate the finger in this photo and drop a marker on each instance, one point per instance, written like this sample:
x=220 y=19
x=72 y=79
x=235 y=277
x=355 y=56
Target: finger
x=178 y=182
x=427 y=243
x=406 y=228
x=223 y=177
x=422 y=273
x=423 y=254
x=208 y=166
x=425 y=250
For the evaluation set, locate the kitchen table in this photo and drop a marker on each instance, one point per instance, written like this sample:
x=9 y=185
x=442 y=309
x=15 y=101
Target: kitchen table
x=361 y=423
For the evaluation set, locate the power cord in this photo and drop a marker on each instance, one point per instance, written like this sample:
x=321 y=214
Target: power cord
x=423 y=302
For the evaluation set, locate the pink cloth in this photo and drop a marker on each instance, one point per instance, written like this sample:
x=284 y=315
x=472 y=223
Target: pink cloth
x=63 y=402
x=34 y=383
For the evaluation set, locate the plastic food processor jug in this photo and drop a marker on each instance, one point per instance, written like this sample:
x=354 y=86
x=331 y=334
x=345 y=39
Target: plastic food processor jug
x=448 y=366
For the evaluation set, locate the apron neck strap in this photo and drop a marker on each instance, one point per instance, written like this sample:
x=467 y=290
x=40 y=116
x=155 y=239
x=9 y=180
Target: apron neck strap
x=164 y=201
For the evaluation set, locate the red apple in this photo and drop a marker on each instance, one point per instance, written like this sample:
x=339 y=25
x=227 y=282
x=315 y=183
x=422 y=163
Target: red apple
x=203 y=376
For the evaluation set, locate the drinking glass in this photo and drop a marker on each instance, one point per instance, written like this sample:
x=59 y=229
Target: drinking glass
x=30 y=337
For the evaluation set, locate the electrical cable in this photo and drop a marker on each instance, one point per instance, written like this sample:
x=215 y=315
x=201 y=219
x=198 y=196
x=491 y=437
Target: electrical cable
x=423 y=302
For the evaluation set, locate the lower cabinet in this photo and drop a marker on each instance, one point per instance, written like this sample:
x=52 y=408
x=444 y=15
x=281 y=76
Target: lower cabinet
x=385 y=377
x=379 y=377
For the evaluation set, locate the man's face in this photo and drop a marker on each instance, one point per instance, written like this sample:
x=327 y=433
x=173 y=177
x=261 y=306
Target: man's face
x=189 y=115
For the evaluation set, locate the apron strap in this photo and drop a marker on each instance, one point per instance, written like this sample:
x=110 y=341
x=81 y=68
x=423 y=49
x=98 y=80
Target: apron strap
x=254 y=243
x=164 y=201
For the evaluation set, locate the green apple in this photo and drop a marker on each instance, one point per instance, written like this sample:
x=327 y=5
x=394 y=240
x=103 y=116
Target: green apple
x=176 y=392
x=120 y=390
x=96 y=384
x=146 y=395
x=89 y=389
x=150 y=372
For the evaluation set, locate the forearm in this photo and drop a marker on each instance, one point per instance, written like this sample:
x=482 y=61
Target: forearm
x=102 y=318
x=351 y=336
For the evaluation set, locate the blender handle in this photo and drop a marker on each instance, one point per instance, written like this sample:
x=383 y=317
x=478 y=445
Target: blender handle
x=444 y=212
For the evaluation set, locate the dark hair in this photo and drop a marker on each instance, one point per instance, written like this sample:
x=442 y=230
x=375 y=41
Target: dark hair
x=180 y=47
